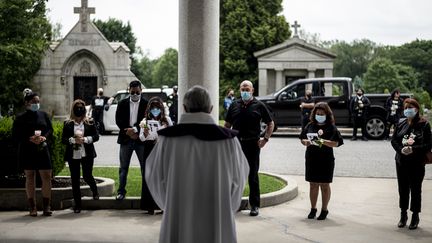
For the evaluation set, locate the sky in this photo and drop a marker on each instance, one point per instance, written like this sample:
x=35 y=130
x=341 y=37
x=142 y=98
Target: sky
x=155 y=22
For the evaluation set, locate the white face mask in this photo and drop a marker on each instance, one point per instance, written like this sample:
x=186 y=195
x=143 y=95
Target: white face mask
x=135 y=97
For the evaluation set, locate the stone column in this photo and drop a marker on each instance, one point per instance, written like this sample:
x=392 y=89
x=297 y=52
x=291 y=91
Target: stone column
x=262 y=82
x=280 y=82
x=328 y=73
x=199 y=49
x=311 y=73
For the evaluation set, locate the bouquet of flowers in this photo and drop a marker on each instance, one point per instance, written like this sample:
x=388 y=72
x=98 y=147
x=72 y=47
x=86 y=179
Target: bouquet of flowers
x=143 y=123
x=315 y=138
x=78 y=133
x=408 y=140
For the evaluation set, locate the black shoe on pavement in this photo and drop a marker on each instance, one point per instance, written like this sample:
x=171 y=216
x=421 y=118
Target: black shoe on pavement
x=323 y=215
x=120 y=196
x=312 y=213
x=365 y=139
x=254 y=211
x=77 y=210
x=403 y=219
x=353 y=138
x=415 y=220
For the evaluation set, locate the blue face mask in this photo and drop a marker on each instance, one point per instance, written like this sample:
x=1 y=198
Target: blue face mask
x=320 y=118
x=246 y=95
x=35 y=107
x=155 y=112
x=410 y=112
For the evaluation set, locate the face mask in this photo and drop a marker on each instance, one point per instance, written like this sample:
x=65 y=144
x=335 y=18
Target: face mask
x=410 y=112
x=135 y=97
x=35 y=107
x=79 y=111
x=320 y=118
x=100 y=93
x=155 y=112
x=359 y=94
x=246 y=95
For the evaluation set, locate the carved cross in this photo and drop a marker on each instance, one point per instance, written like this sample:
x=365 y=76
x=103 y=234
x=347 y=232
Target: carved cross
x=295 y=26
x=84 y=11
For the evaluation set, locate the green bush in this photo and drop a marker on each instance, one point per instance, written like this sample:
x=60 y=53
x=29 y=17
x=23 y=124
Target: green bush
x=9 y=163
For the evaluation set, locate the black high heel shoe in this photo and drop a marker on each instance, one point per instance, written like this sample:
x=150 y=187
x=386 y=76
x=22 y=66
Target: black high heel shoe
x=323 y=215
x=403 y=219
x=312 y=213
x=415 y=220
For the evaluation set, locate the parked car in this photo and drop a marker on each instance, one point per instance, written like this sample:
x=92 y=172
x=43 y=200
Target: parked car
x=110 y=109
x=337 y=92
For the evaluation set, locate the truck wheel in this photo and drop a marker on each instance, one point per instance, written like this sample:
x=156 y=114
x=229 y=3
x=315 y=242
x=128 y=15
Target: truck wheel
x=375 y=127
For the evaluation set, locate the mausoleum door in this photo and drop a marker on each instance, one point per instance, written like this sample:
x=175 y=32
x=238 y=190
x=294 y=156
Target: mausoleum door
x=85 y=88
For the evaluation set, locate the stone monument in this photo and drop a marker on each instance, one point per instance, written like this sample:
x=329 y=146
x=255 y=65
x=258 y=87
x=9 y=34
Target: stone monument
x=78 y=65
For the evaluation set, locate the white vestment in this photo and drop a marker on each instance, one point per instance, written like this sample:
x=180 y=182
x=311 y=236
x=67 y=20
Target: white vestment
x=197 y=183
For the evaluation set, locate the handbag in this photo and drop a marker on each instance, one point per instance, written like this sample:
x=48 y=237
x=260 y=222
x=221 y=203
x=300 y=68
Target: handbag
x=428 y=157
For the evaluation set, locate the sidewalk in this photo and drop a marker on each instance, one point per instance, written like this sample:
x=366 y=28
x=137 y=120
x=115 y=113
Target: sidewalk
x=361 y=210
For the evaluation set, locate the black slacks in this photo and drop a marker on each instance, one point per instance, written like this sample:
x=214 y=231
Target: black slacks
x=359 y=121
x=410 y=179
x=252 y=152
x=87 y=168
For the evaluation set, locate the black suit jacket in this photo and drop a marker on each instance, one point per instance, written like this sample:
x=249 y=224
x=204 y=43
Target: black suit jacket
x=89 y=130
x=122 y=118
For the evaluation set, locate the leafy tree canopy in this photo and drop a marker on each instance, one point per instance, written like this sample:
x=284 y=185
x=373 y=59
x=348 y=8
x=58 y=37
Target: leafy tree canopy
x=25 y=33
x=165 y=71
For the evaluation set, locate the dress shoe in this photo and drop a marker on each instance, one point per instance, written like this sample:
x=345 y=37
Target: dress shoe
x=323 y=215
x=120 y=196
x=365 y=139
x=95 y=196
x=353 y=138
x=254 y=211
x=77 y=210
x=403 y=219
x=415 y=220
x=151 y=212
x=312 y=213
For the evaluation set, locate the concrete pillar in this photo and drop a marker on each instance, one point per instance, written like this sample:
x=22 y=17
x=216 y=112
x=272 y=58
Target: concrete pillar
x=262 y=82
x=328 y=73
x=280 y=82
x=199 y=49
x=311 y=73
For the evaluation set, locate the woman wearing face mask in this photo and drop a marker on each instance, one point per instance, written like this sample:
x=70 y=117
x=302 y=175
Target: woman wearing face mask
x=154 y=120
x=320 y=136
x=79 y=134
x=411 y=141
x=33 y=132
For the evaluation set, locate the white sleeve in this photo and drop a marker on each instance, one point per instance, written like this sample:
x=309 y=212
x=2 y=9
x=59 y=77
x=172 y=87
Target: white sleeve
x=240 y=175
x=154 y=173
x=141 y=135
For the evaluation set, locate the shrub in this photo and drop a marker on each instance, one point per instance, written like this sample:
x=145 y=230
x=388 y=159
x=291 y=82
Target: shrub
x=8 y=150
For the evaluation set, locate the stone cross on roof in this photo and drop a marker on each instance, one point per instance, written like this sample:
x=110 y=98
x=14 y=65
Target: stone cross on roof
x=295 y=26
x=84 y=12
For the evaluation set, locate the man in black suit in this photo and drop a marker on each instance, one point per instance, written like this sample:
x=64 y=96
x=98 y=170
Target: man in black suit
x=129 y=114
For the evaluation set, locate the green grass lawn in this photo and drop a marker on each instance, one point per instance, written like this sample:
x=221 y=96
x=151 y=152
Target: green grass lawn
x=133 y=187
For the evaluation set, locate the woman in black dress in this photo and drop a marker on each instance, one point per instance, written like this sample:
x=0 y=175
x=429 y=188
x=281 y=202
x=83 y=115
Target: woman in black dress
x=154 y=120
x=32 y=130
x=411 y=141
x=79 y=134
x=320 y=136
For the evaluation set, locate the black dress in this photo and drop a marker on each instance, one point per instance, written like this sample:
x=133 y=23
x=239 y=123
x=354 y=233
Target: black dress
x=30 y=155
x=320 y=160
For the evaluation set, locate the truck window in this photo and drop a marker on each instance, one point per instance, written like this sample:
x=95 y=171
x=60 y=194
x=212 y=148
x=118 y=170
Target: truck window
x=332 y=89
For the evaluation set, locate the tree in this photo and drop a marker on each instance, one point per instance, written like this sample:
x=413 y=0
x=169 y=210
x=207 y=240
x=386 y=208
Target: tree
x=24 y=37
x=146 y=66
x=115 y=30
x=165 y=70
x=247 y=26
x=352 y=58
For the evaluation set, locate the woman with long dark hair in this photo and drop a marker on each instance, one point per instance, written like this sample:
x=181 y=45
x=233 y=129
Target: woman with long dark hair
x=320 y=136
x=154 y=120
x=411 y=140
x=79 y=134
x=33 y=131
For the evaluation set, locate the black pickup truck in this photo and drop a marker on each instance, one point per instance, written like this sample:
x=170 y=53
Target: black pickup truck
x=337 y=92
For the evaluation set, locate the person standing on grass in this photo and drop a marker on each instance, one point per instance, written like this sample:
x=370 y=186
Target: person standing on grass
x=79 y=135
x=32 y=130
x=155 y=119
x=128 y=115
x=245 y=115
x=196 y=173
x=320 y=136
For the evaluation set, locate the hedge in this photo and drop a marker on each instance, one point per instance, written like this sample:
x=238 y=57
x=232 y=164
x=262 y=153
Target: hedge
x=8 y=151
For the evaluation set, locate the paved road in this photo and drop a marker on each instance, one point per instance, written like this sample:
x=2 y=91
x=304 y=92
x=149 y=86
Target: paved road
x=285 y=155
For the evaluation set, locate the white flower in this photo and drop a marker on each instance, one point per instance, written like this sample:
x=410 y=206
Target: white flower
x=143 y=123
x=320 y=132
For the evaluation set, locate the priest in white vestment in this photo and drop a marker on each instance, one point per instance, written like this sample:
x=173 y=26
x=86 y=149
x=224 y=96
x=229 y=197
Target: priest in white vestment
x=196 y=173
